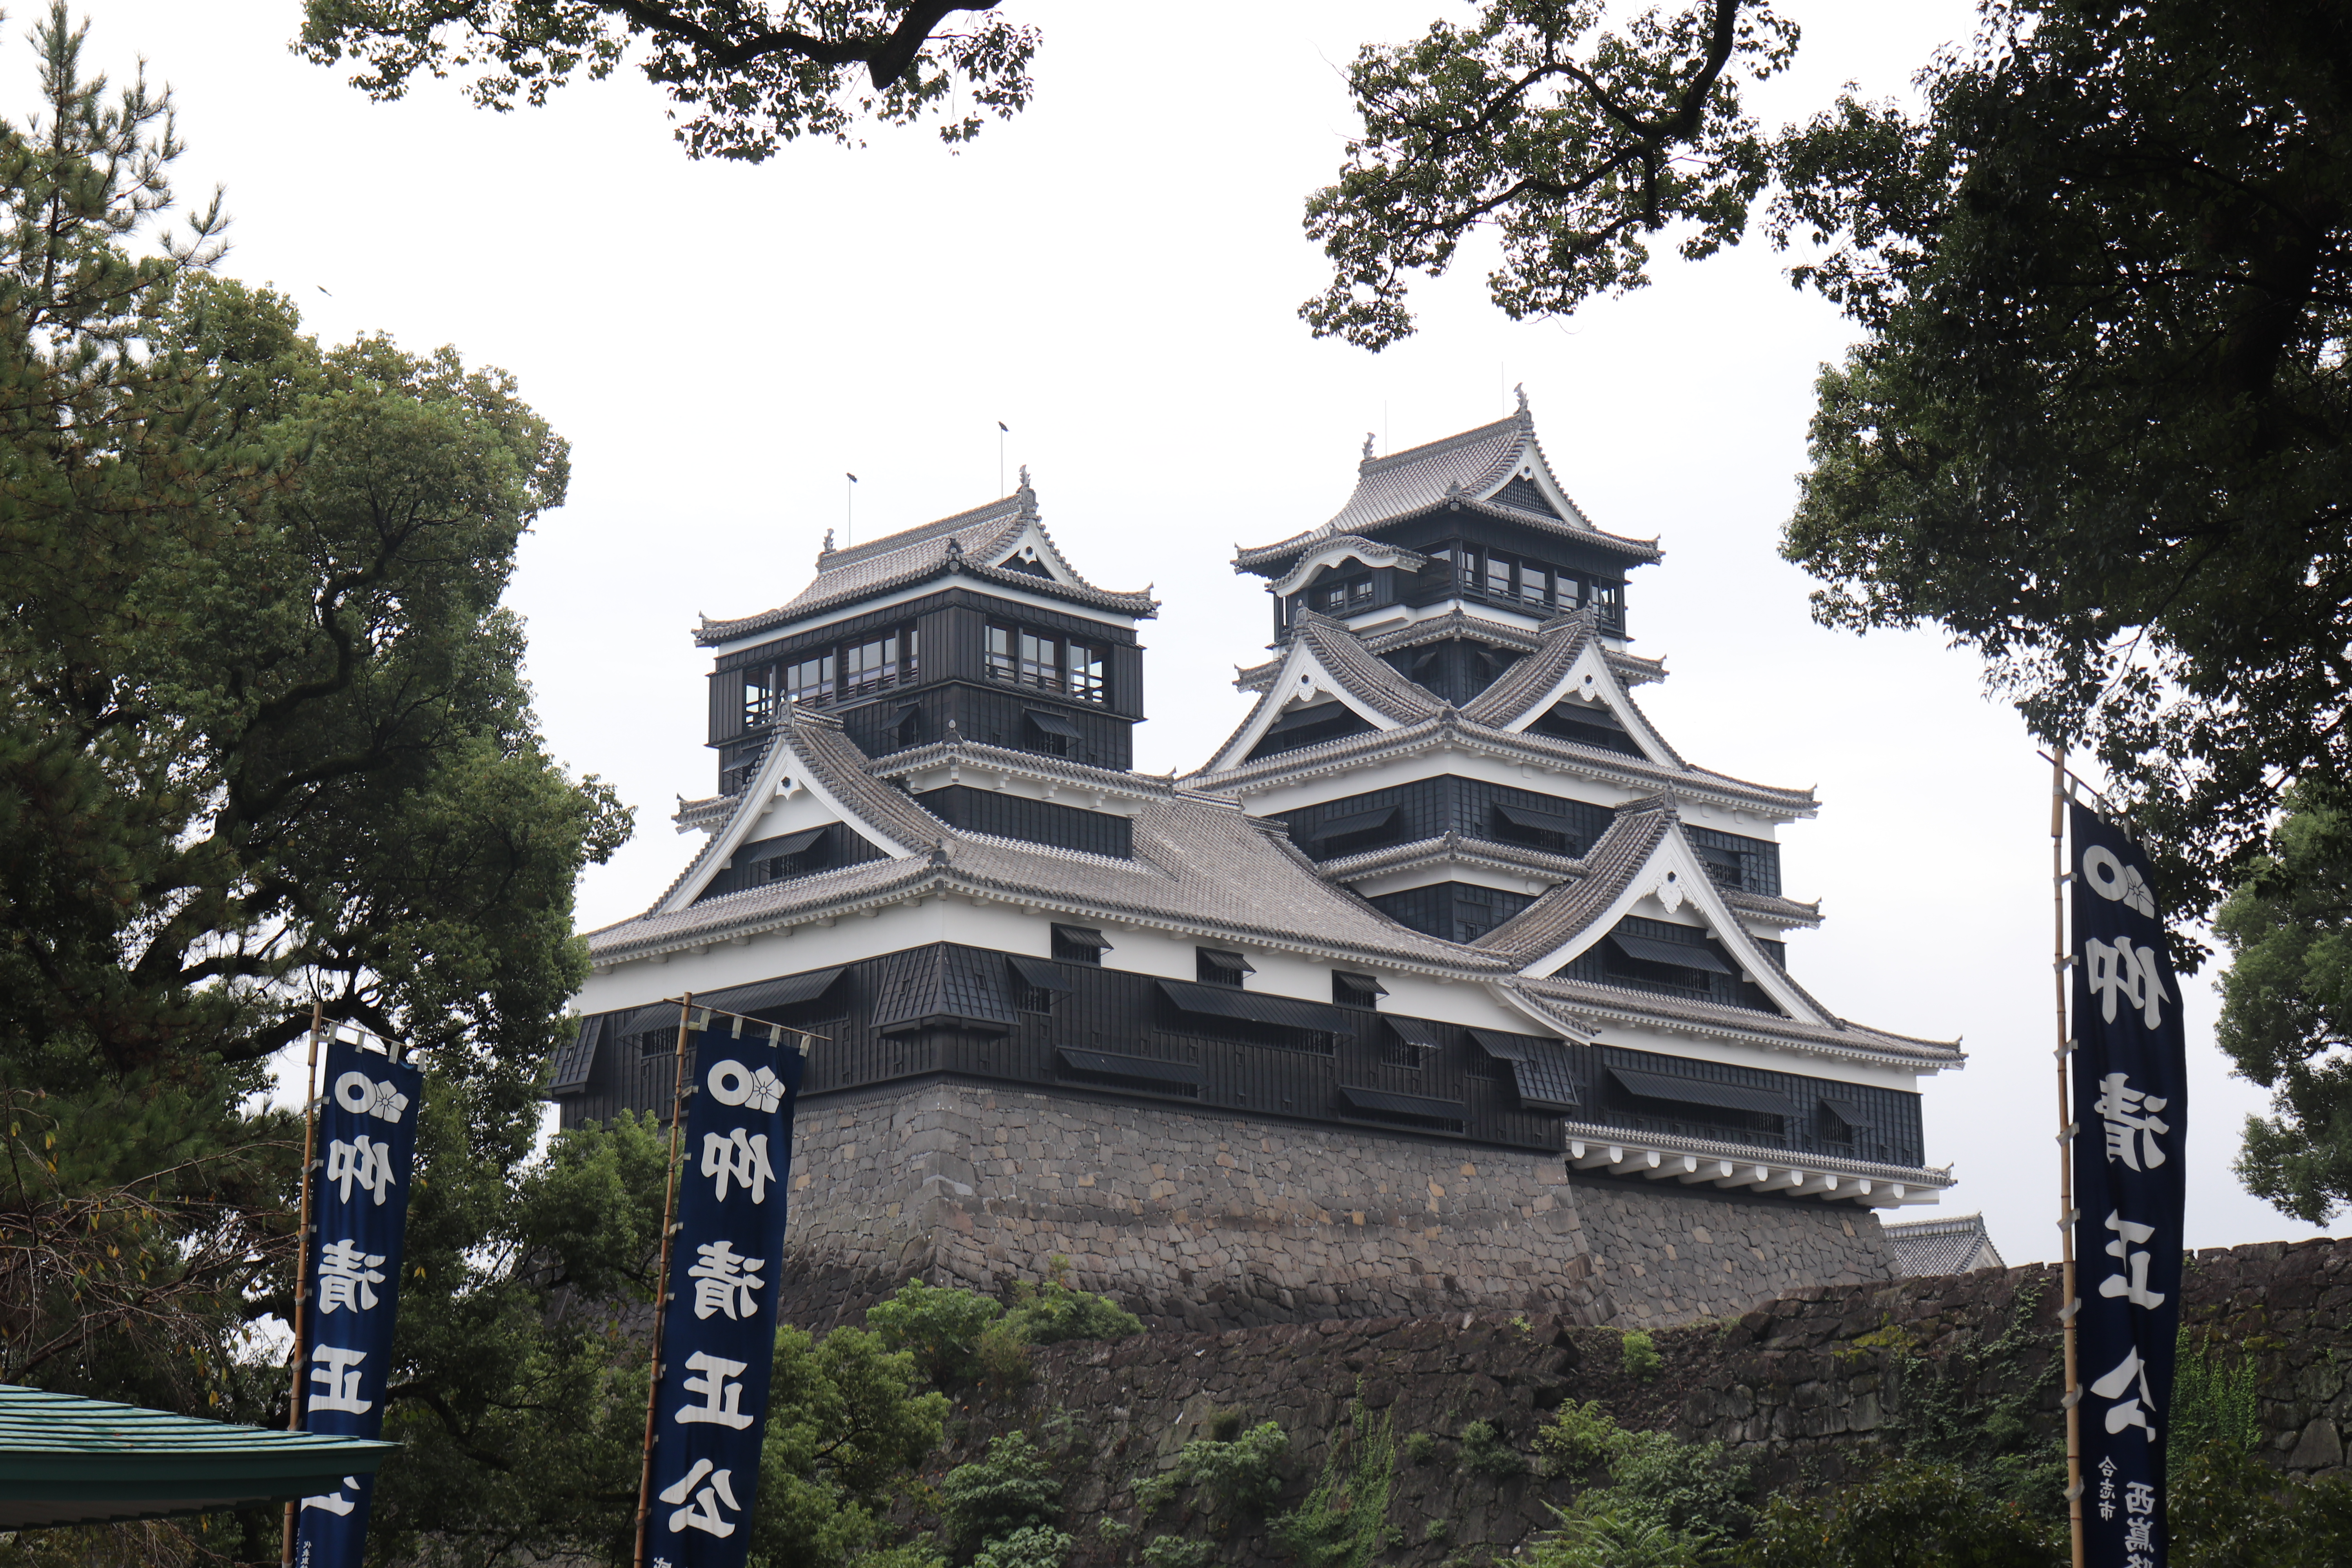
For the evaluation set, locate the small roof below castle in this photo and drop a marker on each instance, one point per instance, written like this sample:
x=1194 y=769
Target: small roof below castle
x=1497 y=470
x=1953 y=1245
x=973 y=543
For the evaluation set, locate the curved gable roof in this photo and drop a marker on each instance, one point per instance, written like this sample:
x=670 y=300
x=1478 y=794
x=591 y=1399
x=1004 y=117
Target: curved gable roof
x=1324 y=656
x=1474 y=468
x=968 y=541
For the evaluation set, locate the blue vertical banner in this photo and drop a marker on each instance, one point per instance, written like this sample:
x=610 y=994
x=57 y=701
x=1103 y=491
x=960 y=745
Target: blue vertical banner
x=718 y=1326
x=2130 y=1115
x=367 y=1151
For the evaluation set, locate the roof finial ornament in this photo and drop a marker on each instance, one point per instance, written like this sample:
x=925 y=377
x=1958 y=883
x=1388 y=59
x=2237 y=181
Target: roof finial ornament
x=1025 y=476
x=828 y=545
x=1522 y=390
x=1368 y=449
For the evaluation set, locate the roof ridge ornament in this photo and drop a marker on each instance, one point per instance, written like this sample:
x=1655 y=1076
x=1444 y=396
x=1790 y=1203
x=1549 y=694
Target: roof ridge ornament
x=1522 y=390
x=826 y=549
x=1366 y=461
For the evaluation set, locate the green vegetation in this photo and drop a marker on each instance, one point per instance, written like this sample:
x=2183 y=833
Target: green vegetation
x=940 y=1328
x=2287 y=1003
x=1913 y=1514
x=1419 y=1448
x=1487 y=1453
x=1601 y=1531
x=2213 y=1402
x=993 y=1499
x=1048 y=1311
x=749 y=77
x=2228 y=1510
x=1037 y=1546
x=1237 y=1476
x=1640 y=1355
x=1177 y=1551
x=1343 y=1522
x=846 y=1426
x=1576 y=1438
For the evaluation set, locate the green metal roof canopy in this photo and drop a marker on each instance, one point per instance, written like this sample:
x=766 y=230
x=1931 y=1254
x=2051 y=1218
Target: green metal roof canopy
x=67 y=1461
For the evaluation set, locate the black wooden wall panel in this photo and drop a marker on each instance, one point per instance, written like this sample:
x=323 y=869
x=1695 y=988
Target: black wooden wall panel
x=1124 y=1014
x=1034 y=821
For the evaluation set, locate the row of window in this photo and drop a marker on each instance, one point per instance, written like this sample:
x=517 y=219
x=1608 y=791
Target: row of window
x=850 y=669
x=1048 y=663
x=1539 y=585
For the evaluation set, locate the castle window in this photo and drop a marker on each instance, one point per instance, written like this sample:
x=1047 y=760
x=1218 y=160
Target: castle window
x=1045 y=663
x=1052 y=733
x=1411 y=1044
x=1079 y=944
x=1038 y=985
x=758 y=695
x=1356 y=990
x=809 y=680
x=795 y=855
x=1498 y=577
x=1040 y=662
x=870 y=666
x=1217 y=966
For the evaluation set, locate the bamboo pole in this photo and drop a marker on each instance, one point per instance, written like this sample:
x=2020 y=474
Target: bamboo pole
x=303 y=1258
x=661 y=1284
x=2066 y=1132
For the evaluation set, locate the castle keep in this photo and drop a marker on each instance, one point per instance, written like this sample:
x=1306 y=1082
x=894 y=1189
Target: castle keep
x=1447 y=981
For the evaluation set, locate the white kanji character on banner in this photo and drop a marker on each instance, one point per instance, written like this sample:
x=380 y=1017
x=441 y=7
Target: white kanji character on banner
x=337 y=1377
x=703 y=1512
x=2128 y=1412
x=2127 y=972
x=741 y=1157
x=2129 y=1117
x=367 y=1163
x=348 y=1278
x=721 y=1394
x=2134 y=1284
x=335 y=1502
x=724 y=1280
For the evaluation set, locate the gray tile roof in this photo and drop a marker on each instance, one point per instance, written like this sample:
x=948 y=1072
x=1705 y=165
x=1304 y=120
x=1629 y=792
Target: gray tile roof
x=1609 y=867
x=959 y=543
x=1953 y=1245
x=1465 y=469
x=1199 y=862
x=1448 y=727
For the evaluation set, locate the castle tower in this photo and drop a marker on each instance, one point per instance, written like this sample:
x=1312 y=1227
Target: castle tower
x=1445 y=982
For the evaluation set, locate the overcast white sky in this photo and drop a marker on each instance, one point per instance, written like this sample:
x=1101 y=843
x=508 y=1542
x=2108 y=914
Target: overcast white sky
x=1114 y=275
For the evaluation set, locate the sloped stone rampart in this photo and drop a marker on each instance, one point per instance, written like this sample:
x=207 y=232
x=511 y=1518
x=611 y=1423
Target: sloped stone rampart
x=1206 y=1220
x=1809 y=1386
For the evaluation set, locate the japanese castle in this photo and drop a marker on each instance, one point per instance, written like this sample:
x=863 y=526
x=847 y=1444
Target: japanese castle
x=1445 y=902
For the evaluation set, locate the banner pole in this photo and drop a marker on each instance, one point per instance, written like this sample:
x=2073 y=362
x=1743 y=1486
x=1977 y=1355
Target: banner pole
x=661 y=1277
x=2066 y=1132
x=303 y=1257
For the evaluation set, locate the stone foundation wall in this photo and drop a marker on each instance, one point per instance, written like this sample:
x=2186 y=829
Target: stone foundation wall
x=1811 y=1388
x=1202 y=1220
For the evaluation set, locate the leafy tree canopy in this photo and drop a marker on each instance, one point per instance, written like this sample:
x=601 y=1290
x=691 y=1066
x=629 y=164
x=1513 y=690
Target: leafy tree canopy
x=2287 y=1007
x=750 y=75
x=265 y=746
x=2097 y=428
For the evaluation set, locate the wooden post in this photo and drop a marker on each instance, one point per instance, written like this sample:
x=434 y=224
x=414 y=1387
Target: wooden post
x=661 y=1279
x=2066 y=1131
x=303 y=1257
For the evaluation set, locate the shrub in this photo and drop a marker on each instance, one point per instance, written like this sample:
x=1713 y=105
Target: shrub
x=2212 y=1400
x=1050 y=1312
x=1437 y=1530
x=1911 y=1515
x=995 y=1498
x=1600 y=1532
x=1576 y=1438
x=1486 y=1452
x=1419 y=1448
x=1037 y=1546
x=2228 y=1510
x=1175 y=1551
x=1243 y=1474
x=1001 y=1360
x=941 y=1328
x=1343 y=1522
x=1693 y=1489
x=1640 y=1355
x=1152 y=1492
x=1113 y=1531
